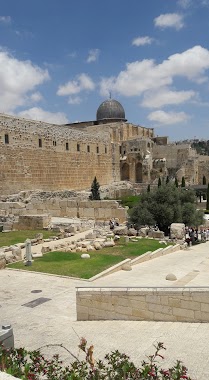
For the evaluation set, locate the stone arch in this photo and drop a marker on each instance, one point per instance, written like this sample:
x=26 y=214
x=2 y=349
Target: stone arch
x=125 y=172
x=139 y=172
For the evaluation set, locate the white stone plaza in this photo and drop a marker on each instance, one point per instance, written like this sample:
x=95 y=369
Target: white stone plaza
x=54 y=321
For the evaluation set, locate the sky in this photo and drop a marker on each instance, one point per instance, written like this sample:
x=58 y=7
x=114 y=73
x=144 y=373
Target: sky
x=60 y=59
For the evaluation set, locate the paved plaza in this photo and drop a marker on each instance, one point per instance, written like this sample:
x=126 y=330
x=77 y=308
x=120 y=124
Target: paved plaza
x=54 y=321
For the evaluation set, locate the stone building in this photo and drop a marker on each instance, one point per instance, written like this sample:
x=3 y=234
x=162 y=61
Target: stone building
x=38 y=155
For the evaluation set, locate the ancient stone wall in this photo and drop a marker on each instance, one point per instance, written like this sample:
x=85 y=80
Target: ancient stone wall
x=96 y=210
x=175 y=155
x=37 y=155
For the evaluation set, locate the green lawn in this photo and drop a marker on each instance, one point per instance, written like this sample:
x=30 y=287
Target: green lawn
x=14 y=237
x=70 y=264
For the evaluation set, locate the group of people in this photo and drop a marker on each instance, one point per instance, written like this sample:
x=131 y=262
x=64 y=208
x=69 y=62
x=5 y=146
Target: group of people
x=113 y=223
x=193 y=234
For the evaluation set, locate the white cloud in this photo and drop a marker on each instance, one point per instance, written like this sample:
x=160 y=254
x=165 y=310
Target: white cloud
x=184 y=3
x=17 y=80
x=5 y=19
x=39 y=114
x=93 y=55
x=168 y=118
x=36 y=97
x=164 y=96
x=141 y=41
x=169 y=20
x=141 y=76
x=82 y=83
x=74 y=100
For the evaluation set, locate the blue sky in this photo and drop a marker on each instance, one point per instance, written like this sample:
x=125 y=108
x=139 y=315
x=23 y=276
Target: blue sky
x=60 y=59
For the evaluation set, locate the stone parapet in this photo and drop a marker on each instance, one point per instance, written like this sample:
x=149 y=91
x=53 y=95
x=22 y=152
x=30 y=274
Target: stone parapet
x=149 y=304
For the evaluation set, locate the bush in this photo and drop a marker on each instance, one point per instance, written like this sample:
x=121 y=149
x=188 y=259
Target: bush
x=31 y=365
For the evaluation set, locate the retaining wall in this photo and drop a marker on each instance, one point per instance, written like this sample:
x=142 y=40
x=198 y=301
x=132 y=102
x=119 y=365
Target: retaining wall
x=149 y=304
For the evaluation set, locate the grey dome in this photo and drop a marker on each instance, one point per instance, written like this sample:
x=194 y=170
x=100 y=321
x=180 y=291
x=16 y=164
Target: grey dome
x=110 y=109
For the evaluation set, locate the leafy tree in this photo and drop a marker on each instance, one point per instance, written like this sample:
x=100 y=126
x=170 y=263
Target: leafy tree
x=159 y=182
x=165 y=205
x=95 y=193
x=204 y=180
x=183 y=182
x=176 y=182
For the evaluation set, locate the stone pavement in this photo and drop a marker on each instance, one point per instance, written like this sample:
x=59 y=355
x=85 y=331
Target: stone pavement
x=54 y=321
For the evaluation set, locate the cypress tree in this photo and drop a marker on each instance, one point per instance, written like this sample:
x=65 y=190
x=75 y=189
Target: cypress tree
x=176 y=182
x=148 y=188
x=95 y=194
x=183 y=182
x=207 y=204
x=167 y=180
x=159 y=182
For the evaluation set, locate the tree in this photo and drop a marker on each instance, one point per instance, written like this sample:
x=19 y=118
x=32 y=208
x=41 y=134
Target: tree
x=167 y=179
x=204 y=180
x=176 y=182
x=165 y=205
x=207 y=204
x=95 y=193
x=159 y=182
x=183 y=182
x=148 y=188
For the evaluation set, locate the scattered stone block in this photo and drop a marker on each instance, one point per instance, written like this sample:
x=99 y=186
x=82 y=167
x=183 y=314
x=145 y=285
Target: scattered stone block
x=171 y=277
x=85 y=256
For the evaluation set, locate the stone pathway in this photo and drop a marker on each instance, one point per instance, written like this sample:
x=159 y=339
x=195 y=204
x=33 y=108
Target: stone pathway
x=54 y=321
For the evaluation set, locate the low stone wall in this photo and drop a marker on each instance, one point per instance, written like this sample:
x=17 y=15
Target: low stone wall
x=33 y=222
x=149 y=304
x=71 y=208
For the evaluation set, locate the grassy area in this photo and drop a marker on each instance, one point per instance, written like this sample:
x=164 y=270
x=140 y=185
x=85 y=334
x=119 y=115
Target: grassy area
x=70 y=264
x=14 y=237
x=130 y=200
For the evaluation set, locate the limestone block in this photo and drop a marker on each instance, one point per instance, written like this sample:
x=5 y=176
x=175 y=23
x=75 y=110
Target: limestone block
x=177 y=231
x=97 y=245
x=45 y=249
x=132 y=232
x=156 y=234
x=90 y=248
x=31 y=222
x=126 y=267
x=109 y=243
x=121 y=230
x=143 y=231
x=2 y=260
x=85 y=256
x=188 y=314
x=17 y=252
x=9 y=257
x=171 y=277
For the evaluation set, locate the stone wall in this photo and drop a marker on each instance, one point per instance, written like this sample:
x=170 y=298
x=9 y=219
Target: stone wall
x=96 y=210
x=150 y=304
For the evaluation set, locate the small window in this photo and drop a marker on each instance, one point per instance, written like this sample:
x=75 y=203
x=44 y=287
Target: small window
x=67 y=146
x=88 y=148
x=78 y=147
x=105 y=149
x=54 y=143
x=40 y=143
x=97 y=149
x=6 y=138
